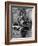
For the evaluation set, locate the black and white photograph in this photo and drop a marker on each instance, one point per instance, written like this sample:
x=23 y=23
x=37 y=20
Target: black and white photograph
x=21 y=22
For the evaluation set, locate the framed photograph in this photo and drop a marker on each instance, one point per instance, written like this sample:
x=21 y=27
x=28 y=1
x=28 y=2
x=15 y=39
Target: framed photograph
x=20 y=22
